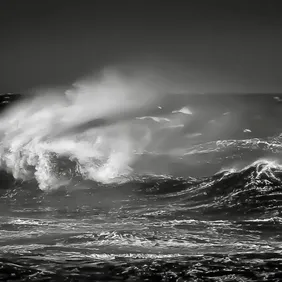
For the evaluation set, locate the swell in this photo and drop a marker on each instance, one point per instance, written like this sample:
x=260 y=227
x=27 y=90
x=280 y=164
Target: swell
x=254 y=192
x=40 y=153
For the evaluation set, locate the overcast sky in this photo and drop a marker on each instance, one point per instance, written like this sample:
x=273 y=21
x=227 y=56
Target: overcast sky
x=217 y=46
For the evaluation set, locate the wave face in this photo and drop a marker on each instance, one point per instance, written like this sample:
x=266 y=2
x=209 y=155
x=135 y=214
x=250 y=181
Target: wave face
x=97 y=186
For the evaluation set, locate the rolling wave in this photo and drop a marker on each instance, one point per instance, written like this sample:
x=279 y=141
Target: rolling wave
x=76 y=199
x=251 y=192
x=87 y=125
x=32 y=155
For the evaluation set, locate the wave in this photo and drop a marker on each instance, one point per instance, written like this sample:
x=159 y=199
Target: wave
x=97 y=132
x=90 y=128
x=254 y=190
x=74 y=191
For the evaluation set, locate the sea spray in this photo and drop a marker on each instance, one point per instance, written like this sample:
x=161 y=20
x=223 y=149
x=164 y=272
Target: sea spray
x=56 y=123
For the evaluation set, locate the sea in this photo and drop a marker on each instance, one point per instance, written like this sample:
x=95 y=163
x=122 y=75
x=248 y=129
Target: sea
x=95 y=189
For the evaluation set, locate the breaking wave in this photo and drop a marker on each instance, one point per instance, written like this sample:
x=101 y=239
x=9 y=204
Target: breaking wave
x=98 y=131
x=140 y=193
x=90 y=130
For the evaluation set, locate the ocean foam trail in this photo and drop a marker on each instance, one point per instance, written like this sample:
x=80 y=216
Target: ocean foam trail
x=35 y=129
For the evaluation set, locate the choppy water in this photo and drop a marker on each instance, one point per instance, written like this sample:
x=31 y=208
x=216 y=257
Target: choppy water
x=198 y=207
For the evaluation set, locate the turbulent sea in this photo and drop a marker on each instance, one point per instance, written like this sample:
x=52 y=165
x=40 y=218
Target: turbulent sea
x=191 y=193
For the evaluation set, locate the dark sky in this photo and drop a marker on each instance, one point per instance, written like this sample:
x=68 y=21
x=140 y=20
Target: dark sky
x=220 y=46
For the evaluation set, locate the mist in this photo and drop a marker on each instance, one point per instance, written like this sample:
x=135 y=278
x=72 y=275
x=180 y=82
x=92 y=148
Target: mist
x=93 y=124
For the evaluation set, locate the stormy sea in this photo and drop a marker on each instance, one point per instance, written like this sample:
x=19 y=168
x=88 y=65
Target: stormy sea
x=103 y=184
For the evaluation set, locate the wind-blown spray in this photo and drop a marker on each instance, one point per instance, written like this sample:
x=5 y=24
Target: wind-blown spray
x=89 y=124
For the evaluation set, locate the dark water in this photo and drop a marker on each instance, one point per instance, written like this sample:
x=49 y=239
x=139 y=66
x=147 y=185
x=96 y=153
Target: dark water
x=208 y=211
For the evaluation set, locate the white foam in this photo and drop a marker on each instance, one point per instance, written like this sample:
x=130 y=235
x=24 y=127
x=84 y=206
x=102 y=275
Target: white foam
x=29 y=130
x=156 y=119
x=246 y=130
x=184 y=110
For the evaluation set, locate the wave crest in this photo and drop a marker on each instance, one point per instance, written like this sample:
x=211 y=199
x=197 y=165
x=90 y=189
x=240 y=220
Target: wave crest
x=88 y=125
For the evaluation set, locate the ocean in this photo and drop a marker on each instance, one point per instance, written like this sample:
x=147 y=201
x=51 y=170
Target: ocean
x=189 y=190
